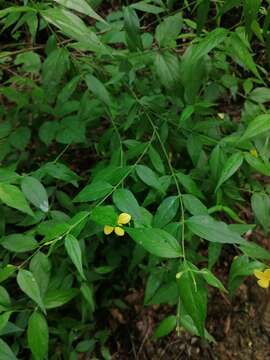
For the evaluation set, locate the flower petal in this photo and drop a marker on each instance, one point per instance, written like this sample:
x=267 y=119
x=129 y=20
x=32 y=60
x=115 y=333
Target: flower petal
x=267 y=273
x=263 y=283
x=108 y=229
x=259 y=274
x=119 y=231
x=124 y=218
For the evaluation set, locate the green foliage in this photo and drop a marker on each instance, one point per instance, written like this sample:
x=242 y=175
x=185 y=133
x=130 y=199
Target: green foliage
x=131 y=112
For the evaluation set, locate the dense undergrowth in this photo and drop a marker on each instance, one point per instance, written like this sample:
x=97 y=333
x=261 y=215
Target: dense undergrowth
x=133 y=138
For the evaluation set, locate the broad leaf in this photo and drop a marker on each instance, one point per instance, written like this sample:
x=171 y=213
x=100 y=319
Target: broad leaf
x=80 y=6
x=29 y=286
x=169 y=29
x=72 y=26
x=93 y=191
x=212 y=230
x=193 y=294
x=126 y=202
x=168 y=69
x=230 y=167
x=166 y=211
x=5 y=351
x=260 y=125
x=74 y=252
x=260 y=203
x=19 y=243
x=157 y=241
x=13 y=197
x=38 y=336
x=98 y=89
x=35 y=192
x=55 y=298
x=166 y=326
x=149 y=177
x=104 y=215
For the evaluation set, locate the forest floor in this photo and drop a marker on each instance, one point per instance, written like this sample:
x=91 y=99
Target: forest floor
x=235 y=325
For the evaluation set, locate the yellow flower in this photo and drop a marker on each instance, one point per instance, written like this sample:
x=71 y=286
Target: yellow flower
x=123 y=219
x=264 y=277
x=254 y=153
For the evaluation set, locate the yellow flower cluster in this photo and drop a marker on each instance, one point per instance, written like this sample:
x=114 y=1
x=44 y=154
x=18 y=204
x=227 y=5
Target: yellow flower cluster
x=263 y=278
x=123 y=219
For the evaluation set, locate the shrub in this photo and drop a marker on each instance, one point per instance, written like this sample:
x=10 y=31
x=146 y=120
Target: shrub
x=130 y=144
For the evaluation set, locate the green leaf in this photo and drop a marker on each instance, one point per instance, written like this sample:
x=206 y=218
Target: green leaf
x=156 y=241
x=193 y=68
x=104 y=215
x=29 y=286
x=239 y=51
x=188 y=324
x=258 y=126
x=202 y=14
x=4 y=317
x=132 y=29
x=166 y=211
x=20 y=137
x=260 y=95
x=255 y=251
x=166 y=326
x=194 y=205
x=47 y=131
x=38 y=336
x=156 y=160
x=12 y=196
x=40 y=266
x=30 y=60
x=55 y=298
x=212 y=230
x=257 y=164
x=19 y=243
x=61 y=172
x=126 y=202
x=260 y=204
x=167 y=67
x=154 y=282
x=189 y=184
x=8 y=176
x=97 y=88
x=149 y=177
x=72 y=26
x=193 y=295
x=102 y=270
x=166 y=294
x=68 y=90
x=250 y=10
x=5 y=351
x=230 y=167
x=53 y=69
x=94 y=191
x=81 y=6
x=73 y=249
x=214 y=250
x=241 y=268
x=35 y=192
x=228 y=5
x=145 y=7
x=5 y=129
x=212 y=280
x=169 y=29
x=6 y=272
x=88 y=294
